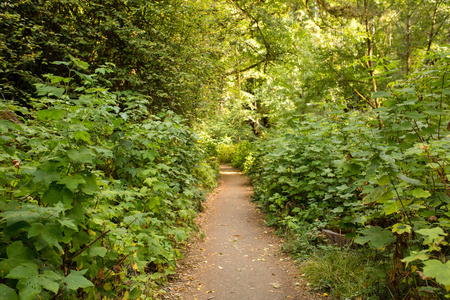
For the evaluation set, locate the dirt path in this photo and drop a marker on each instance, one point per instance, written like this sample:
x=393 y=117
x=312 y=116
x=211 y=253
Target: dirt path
x=240 y=257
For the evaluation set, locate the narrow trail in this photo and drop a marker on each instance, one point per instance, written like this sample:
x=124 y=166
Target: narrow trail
x=240 y=257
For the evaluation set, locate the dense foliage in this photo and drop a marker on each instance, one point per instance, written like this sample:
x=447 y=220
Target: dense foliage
x=96 y=200
x=380 y=176
x=338 y=110
x=157 y=47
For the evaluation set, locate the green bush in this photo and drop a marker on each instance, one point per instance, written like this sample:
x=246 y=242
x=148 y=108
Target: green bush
x=381 y=177
x=97 y=195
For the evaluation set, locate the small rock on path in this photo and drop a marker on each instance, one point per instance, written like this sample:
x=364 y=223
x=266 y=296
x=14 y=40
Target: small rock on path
x=240 y=258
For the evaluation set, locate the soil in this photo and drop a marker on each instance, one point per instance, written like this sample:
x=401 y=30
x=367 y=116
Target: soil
x=240 y=258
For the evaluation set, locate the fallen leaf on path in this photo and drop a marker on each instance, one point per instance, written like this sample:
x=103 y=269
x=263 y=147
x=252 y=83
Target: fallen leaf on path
x=275 y=285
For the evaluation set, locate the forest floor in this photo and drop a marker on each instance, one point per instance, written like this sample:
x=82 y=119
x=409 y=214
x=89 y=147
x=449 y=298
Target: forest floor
x=239 y=257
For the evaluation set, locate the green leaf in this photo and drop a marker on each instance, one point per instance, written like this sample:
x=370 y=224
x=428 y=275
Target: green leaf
x=384 y=180
x=381 y=94
x=420 y=193
x=76 y=280
x=376 y=237
x=5 y=125
x=55 y=195
x=82 y=136
x=401 y=228
x=82 y=155
x=409 y=180
x=160 y=186
x=7 y=293
x=17 y=250
x=29 y=288
x=97 y=251
x=90 y=187
x=391 y=207
x=415 y=255
x=47 y=233
x=150 y=154
x=72 y=182
x=50 y=114
x=44 y=90
x=25 y=270
x=68 y=223
x=436 y=269
x=379 y=194
x=49 y=285
x=432 y=236
x=415 y=115
x=46 y=173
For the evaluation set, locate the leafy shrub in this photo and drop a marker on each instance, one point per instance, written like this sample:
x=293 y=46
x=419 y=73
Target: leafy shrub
x=97 y=195
x=380 y=176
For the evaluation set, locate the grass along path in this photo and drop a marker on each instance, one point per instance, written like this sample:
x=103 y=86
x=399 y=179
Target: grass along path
x=240 y=257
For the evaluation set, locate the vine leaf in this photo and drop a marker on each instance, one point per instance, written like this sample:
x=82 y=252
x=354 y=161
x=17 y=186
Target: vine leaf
x=7 y=293
x=420 y=193
x=401 y=228
x=76 y=280
x=432 y=236
x=436 y=269
x=376 y=237
x=415 y=255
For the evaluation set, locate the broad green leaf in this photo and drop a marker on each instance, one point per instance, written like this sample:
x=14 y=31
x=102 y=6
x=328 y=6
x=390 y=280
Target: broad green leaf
x=160 y=186
x=55 y=195
x=97 y=251
x=44 y=90
x=79 y=63
x=72 y=182
x=401 y=228
x=76 y=280
x=409 y=180
x=445 y=91
x=376 y=237
x=433 y=235
x=20 y=214
x=381 y=94
x=379 y=194
x=46 y=173
x=7 y=293
x=436 y=269
x=68 y=223
x=51 y=275
x=47 y=233
x=5 y=125
x=25 y=270
x=90 y=187
x=150 y=154
x=82 y=136
x=384 y=180
x=50 y=114
x=416 y=255
x=49 y=284
x=392 y=207
x=420 y=193
x=29 y=288
x=82 y=155
x=17 y=250
x=415 y=115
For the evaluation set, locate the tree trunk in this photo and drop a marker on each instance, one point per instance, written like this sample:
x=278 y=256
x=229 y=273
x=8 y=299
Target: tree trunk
x=408 y=40
x=370 y=47
x=433 y=23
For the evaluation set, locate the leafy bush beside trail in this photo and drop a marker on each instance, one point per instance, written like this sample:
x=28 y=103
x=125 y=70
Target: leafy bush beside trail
x=382 y=177
x=97 y=195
